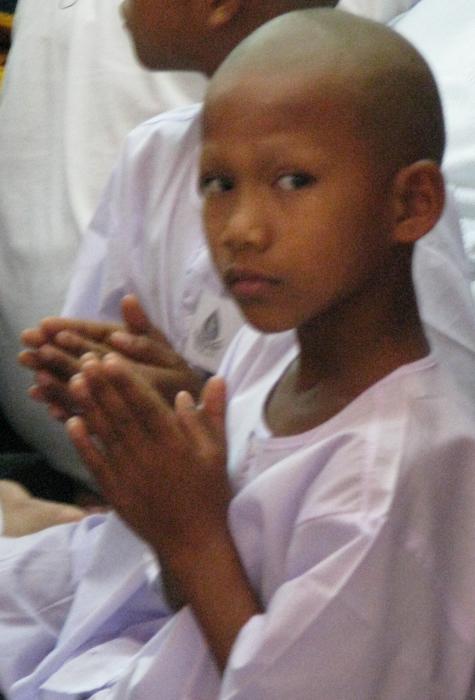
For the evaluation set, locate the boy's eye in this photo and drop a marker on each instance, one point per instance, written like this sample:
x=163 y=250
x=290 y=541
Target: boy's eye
x=214 y=184
x=295 y=181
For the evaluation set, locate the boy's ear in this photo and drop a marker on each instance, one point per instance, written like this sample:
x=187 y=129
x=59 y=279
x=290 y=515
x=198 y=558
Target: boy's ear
x=419 y=193
x=221 y=12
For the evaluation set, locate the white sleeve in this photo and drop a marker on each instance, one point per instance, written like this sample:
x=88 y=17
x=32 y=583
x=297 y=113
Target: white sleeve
x=356 y=625
x=100 y=276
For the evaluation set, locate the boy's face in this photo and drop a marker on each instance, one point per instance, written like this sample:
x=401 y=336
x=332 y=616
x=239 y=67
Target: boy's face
x=297 y=216
x=162 y=31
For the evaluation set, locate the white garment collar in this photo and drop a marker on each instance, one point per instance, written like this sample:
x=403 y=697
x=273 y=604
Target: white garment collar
x=380 y=10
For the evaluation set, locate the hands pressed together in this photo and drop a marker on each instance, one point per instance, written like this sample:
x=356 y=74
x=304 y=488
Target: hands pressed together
x=163 y=469
x=156 y=446
x=57 y=346
x=116 y=387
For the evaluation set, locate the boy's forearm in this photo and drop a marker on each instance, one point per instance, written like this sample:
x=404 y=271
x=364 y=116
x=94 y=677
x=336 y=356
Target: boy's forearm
x=212 y=580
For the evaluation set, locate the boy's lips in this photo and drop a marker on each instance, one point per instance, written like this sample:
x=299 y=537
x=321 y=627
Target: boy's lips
x=245 y=283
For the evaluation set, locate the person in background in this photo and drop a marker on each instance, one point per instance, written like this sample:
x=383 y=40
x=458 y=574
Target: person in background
x=72 y=91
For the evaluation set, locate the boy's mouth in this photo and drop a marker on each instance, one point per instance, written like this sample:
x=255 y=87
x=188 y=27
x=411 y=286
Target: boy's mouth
x=245 y=283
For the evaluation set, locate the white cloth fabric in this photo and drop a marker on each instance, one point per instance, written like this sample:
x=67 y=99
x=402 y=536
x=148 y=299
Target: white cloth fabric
x=73 y=90
x=357 y=535
x=147 y=238
x=362 y=568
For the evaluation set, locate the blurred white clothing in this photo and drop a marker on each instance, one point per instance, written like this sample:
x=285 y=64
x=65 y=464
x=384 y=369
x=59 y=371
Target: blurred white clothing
x=73 y=90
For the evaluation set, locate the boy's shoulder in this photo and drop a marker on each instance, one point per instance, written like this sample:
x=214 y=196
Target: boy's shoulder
x=253 y=355
x=160 y=149
x=168 y=141
x=416 y=409
x=402 y=439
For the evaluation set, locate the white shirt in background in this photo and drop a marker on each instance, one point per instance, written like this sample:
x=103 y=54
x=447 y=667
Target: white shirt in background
x=73 y=89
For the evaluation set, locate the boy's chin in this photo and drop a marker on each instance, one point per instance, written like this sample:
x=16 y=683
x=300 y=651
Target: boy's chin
x=267 y=325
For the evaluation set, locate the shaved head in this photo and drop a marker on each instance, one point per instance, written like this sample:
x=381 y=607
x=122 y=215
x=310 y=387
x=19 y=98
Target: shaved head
x=374 y=72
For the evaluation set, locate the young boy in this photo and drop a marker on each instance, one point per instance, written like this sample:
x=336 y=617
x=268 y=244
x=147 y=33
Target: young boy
x=147 y=239
x=325 y=551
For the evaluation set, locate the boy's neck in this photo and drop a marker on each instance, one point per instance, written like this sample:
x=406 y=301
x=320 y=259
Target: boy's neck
x=343 y=353
x=354 y=341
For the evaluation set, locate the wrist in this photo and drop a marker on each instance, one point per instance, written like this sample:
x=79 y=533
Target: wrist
x=211 y=579
x=188 y=557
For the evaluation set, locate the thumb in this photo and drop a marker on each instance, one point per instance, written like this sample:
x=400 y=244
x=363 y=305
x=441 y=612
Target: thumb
x=138 y=323
x=208 y=418
x=213 y=402
x=135 y=318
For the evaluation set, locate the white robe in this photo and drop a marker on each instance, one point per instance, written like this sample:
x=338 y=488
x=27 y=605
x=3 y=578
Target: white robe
x=357 y=535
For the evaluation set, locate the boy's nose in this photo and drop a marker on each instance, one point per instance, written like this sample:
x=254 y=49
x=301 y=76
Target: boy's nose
x=247 y=227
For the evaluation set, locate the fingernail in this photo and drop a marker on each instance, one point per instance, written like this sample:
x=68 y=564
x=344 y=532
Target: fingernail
x=120 y=336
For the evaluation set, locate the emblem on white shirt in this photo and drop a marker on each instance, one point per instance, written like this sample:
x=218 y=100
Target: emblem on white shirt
x=213 y=325
x=208 y=339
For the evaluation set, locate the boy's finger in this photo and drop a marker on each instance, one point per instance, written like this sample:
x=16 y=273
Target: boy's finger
x=50 y=390
x=57 y=361
x=54 y=393
x=33 y=337
x=59 y=414
x=94 y=330
x=133 y=313
x=142 y=348
x=113 y=431
x=111 y=416
x=78 y=345
x=49 y=358
x=204 y=424
x=213 y=402
x=89 y=452
x=139 y=323
x=101 y=415
x=29 y=359
x=149 y=407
